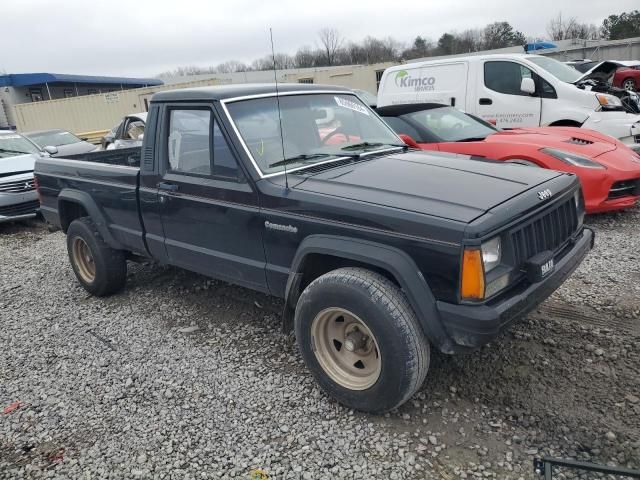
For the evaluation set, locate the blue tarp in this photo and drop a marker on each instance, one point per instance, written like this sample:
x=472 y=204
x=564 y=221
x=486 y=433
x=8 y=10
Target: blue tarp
x=28 y=79
x=530 y=47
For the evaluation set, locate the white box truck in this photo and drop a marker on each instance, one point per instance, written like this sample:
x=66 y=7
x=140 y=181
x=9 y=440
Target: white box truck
x=510 y=90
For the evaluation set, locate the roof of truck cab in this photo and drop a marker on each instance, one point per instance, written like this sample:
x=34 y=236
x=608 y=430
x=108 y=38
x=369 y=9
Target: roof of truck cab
x=225 y=92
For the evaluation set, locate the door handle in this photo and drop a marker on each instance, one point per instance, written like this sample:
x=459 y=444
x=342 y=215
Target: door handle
x=168 y=187
x=486 y=101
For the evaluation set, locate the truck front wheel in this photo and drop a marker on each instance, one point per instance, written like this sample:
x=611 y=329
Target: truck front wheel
x=361 y=339
x=99 y=268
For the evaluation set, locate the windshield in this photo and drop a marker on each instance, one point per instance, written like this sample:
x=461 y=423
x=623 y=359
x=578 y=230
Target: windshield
x=315 y=128
x=14 y=144
x=54 y=138
x=562 y=72
x=450 y=125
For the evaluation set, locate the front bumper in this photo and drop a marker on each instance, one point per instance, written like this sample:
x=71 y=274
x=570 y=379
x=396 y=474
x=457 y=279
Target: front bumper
x=471 y=326
x=18 y=206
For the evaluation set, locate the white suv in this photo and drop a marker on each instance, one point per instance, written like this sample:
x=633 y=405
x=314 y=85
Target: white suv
x=18 y=196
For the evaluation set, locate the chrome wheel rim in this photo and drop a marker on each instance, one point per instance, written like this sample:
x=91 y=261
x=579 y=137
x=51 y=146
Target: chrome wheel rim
x=84 y=260
x=346 y=349
x=628 y=85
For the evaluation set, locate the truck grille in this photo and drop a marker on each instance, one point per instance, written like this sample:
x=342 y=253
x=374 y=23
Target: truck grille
x=548 y=231
x=19 y=209
x=624 y=188
x=19 y=186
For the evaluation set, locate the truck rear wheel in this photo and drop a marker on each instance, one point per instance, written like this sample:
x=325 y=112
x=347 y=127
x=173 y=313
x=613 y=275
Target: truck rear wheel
x=361 y=339
x=100 y=269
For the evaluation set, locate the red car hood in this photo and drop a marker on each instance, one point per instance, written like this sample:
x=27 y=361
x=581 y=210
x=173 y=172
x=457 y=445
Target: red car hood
x=570 y=139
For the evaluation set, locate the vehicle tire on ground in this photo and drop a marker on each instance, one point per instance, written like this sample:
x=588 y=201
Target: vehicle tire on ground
x=100 y=269
x=361 y=339
x=629 y=84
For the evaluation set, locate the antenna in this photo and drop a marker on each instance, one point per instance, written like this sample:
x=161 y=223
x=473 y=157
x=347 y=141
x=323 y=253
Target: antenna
x=275 y=77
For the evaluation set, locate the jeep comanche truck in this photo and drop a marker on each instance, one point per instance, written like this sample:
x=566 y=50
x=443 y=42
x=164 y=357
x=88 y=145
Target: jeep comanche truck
x=379 y=252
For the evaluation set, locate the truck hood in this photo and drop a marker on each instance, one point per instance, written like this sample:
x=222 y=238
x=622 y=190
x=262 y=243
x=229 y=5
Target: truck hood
x=449 y=186
x=20 y=163
x=571 y=139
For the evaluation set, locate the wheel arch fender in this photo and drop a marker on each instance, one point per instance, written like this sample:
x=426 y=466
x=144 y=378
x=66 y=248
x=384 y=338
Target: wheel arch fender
x=391 y=260
x=83 y=199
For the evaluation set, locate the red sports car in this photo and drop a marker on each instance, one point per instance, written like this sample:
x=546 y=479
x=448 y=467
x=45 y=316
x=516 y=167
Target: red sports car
x=608 y=170
x=627 y=78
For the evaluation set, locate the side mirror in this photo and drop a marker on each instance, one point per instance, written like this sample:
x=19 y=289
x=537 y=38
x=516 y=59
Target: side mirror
x=528 y=86
x=409 y=140
x=51 y=150
x=141 y=136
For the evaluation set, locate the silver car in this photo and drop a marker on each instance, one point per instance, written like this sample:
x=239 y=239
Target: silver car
x=18 y=196
x=66 y=143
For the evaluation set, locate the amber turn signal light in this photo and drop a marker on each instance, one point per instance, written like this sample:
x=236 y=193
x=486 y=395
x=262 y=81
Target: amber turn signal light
x=472 y=284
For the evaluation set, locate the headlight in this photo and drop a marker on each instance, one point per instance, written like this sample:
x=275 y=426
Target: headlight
x=491 y=254
x=606 y=100
x=572 y=158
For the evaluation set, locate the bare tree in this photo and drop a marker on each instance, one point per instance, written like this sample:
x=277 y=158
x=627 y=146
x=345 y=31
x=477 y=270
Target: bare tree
x=231 y=66
x=331 y=42
x=305 y=57
x=560 y=28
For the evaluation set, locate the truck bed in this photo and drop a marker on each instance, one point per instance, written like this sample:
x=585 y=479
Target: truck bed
x=105 y=183
x=126 y=157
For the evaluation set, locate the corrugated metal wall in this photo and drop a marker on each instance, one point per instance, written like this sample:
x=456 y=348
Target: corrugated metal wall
x=90 y=112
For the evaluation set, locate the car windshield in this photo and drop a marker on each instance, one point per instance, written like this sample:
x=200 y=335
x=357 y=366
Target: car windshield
x=451 y=125
x=14 y=144
x=54 y=138
x=315 y=128
x=562 y=72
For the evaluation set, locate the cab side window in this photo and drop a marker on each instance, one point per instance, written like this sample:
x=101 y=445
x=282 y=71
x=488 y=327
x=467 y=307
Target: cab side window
x=224 y=162
x=546 y=89
x=189 y=142
x=506 y=77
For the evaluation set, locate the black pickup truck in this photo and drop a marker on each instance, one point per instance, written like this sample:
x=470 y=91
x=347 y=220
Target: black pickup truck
x=380 y=252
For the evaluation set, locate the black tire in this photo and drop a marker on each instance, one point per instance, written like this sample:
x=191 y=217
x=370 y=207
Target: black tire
x=403 y=348
x=110 y=266
x=629 y=84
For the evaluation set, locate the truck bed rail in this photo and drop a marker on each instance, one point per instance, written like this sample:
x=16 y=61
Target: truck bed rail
x=127 y=157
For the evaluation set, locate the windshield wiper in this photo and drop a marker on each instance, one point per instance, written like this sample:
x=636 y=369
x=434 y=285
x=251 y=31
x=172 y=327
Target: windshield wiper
x=299 y=158
x=6 y=150
x=366 y=145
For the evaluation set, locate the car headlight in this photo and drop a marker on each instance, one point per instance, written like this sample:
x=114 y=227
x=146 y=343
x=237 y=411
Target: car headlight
x=491 y=254
x=572 y=158
x=606 y=100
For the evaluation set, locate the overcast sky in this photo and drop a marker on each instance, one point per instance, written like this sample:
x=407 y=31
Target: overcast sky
x=146 y=37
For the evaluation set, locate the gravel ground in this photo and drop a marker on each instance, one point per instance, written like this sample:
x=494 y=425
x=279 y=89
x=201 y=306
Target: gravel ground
x=182 y=377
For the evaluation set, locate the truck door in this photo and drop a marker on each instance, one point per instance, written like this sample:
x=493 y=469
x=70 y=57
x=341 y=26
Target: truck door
x=500 y=99
x=209 y=210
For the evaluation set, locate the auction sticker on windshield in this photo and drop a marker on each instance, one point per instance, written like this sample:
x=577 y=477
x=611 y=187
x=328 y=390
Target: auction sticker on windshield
x=355 y=106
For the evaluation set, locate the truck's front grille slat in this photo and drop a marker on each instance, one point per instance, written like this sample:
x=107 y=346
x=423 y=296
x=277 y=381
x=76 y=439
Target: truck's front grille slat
x=547 y=231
